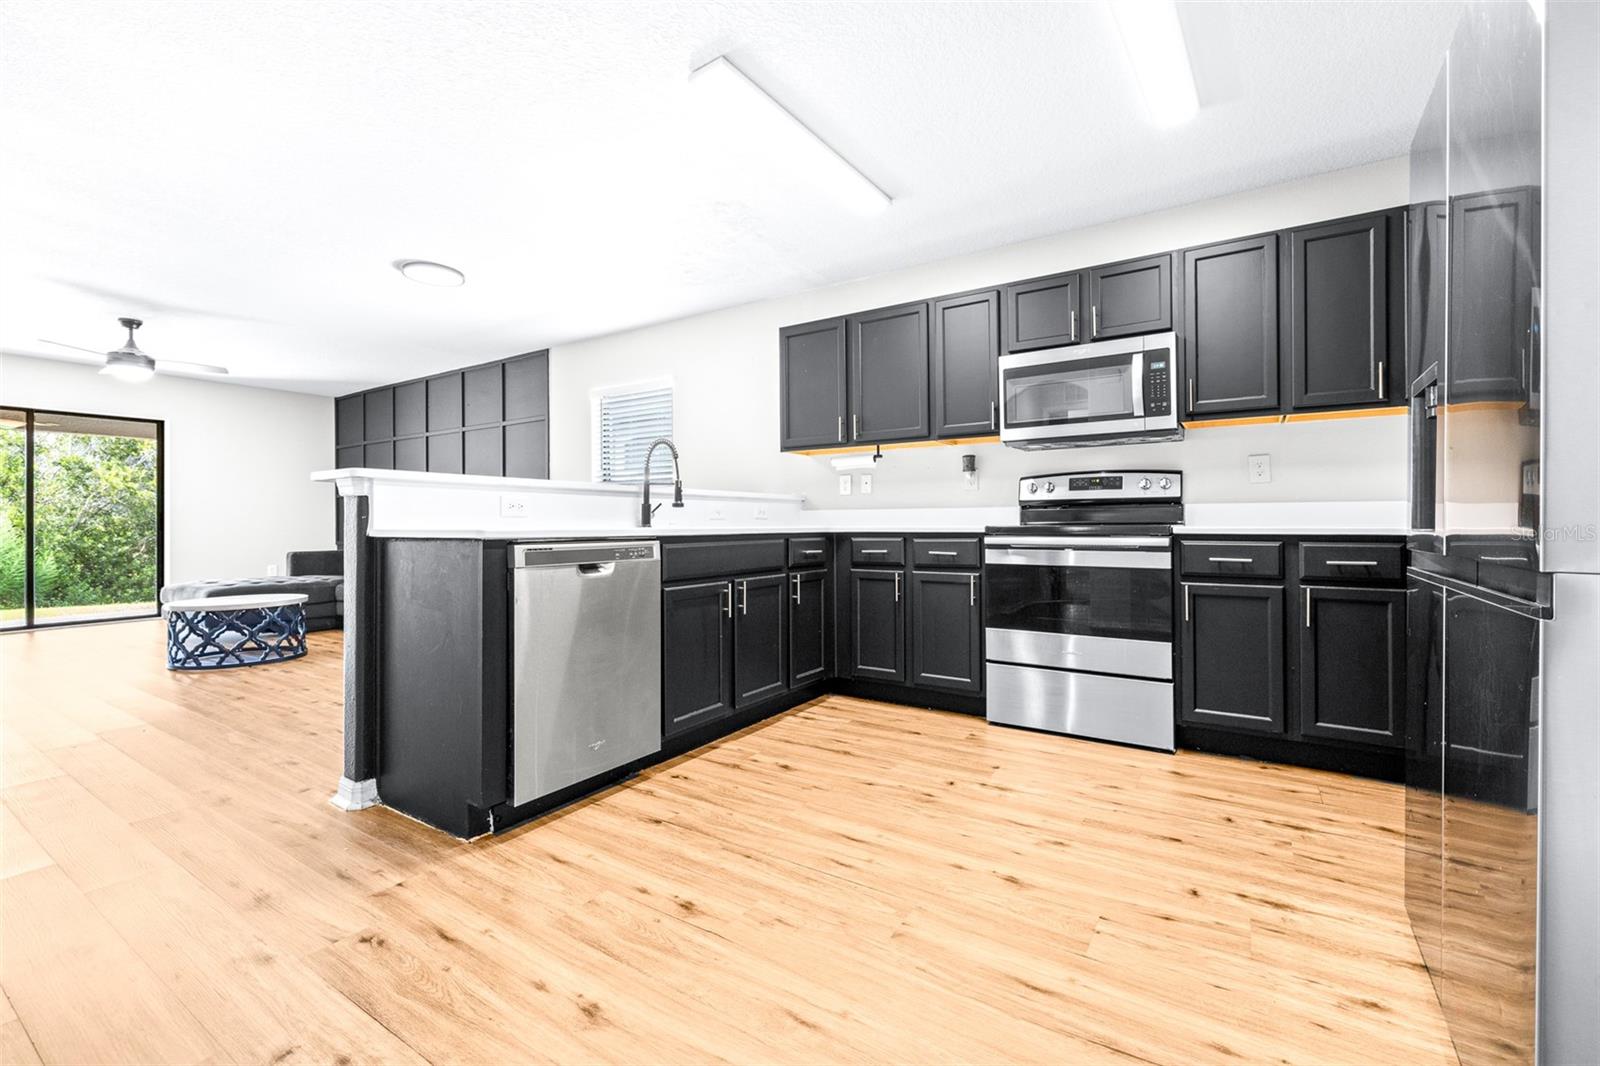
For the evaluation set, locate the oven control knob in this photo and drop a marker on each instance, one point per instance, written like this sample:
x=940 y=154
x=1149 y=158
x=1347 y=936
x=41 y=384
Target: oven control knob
x=1049 y=486
x=1144 y=483
x=1033 y=486
x=1165 y=483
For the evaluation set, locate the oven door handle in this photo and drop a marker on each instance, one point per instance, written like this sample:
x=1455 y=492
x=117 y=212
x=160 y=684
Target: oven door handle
x=1106 y=559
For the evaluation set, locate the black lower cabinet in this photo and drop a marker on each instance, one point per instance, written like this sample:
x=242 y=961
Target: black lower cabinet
x=760 y=651
x=1352 y=664
x=946 y=630
x=1233 y=656
x=877 y=624
x=696 y=654
x=808 y=627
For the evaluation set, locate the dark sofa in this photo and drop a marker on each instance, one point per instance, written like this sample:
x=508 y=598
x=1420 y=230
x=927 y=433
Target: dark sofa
x=318 y=575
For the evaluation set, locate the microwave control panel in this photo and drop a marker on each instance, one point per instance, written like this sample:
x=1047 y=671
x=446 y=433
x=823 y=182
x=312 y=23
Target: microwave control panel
x=1157 y=383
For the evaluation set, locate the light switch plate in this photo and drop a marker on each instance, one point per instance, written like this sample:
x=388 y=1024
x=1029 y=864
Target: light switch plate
x=844 y=484
x=1260 y=469
x=866 y=484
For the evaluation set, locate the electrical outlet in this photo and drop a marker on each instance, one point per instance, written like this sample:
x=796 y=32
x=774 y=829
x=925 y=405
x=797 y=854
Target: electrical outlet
x=760 y=512
x=514 y=505
x=1260 y=469
x=717 y=515
x=866 y=484
x=844 y=484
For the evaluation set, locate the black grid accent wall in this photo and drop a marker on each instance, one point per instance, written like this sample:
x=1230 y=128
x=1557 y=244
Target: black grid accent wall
x=489 y=419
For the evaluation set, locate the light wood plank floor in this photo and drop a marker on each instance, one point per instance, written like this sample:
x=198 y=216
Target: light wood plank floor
x=851 y=881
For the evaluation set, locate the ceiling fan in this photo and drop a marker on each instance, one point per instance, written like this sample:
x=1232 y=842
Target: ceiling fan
x=129 y=363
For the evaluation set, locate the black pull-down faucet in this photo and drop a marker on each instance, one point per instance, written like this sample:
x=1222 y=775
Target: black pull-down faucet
x=645 y=510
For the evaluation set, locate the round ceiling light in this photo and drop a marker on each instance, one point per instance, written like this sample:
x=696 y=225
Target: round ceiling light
x=426 y=272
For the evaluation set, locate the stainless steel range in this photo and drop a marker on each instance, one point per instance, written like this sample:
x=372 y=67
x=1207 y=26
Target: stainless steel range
x=1078 y=606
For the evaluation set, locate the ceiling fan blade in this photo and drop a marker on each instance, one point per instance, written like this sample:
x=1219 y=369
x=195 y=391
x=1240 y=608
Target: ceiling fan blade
x=204 y=368
x=74 y=347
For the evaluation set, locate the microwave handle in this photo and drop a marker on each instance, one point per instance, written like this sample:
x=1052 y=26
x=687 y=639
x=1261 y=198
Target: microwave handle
x=1137 y=364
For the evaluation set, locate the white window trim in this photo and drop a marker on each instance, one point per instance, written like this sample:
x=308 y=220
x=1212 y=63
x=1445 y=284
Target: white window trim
x=600 y=392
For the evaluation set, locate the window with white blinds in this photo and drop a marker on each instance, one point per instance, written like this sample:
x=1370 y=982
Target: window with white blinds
x=627 y=422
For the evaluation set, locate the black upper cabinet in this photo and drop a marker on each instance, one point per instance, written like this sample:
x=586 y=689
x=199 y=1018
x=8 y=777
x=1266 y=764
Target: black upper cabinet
x=1339 y=313
x=1352 y=664
x=1425 y=293
x=1131 y=297
x=1043 y=312
x=966 y=353
x=760 y=647
x=697 y=654
x=946 y=630
x=889 y=374
x=1233 y=656
x=483 y=397
x=1230 y=326
x=411 y=409
x=347 y=421
x=812 y=374
x=1493 y=244
x=877 y=624
x=808 y=627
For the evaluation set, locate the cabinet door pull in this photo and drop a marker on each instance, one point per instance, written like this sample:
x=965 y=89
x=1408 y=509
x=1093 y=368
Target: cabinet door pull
x=744 y=597
x=1094 y=320
x=1186 y=602
x=972 y=590
x=1308 y=608
x=855 y=427
x=994 y=413
x=932 y=552
x=1380 y=379
x=727 y=605
x=1074 y=333
x=796 y=579
x=1229 y=559
x=841 y=429
x=897 y=586
x=1191 y=395
x=1352 y=562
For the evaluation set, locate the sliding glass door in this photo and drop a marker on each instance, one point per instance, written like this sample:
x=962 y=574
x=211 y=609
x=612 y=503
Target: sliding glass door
x=82 y=525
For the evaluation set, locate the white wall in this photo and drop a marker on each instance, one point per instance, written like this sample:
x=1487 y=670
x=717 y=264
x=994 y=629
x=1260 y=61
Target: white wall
x=724 y=366
x=237 y=460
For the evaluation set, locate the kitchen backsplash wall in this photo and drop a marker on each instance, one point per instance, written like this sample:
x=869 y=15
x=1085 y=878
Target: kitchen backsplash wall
x=724 y=369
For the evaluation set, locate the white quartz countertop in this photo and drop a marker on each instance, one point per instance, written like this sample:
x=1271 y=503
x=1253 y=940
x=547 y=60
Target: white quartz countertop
x=1319 y=518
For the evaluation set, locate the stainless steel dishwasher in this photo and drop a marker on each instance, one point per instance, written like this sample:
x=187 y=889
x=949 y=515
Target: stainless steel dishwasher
x=586 y=661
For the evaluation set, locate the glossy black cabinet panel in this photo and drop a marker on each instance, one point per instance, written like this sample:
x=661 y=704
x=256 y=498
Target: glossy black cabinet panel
x=527 y=387
x=445 y=454
x=1233 y=656
x=444 y=402
x=1493 y=237
x=1339 y=327
x=1230 y=327
x=378 y=422
x=484 y=451
x=696 y=654
x=1425 y=770
x=946 y=630
x=347 y=421
x=760 y=638
x=1131 y=297
x=889 y=374
x=411 y=409
x=411 y=453
x=483 y=397
x=528 y=448
x=966 y=367
x=877 y=624
x=1044 y=312
x=808 y=626
x=812 y=372
x=1352 y=664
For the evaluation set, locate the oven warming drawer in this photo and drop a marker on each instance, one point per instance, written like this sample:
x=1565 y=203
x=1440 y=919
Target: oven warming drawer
x=1121 y=709
x=1063 y=651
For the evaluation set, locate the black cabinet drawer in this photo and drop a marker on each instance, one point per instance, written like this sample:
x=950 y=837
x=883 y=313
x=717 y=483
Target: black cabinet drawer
x=951 y=551
x=808 y=551
x=696 y=559
x=877 y=551
x=1231 y=558
x=1352 y=561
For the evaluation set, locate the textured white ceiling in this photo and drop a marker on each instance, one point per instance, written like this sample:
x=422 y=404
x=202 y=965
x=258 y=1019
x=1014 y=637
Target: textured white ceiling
x=241 y=174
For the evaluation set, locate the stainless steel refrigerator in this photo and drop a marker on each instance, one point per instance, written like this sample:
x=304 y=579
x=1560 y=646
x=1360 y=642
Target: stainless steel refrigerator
x=1504 y=619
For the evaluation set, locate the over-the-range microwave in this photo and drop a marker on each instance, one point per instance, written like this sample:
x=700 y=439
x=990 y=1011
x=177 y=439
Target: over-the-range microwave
x=1109 y=392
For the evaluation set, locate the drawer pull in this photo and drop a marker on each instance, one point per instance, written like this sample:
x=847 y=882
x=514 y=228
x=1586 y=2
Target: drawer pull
x=1230 y=559
x=951 y=554
x=1503 y=558
x=1351 y=562
x=873 y=551
x=810 y=551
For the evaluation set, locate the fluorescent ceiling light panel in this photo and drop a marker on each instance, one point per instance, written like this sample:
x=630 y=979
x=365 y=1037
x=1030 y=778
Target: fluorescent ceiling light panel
x=741 y=109
x=1160 y=59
